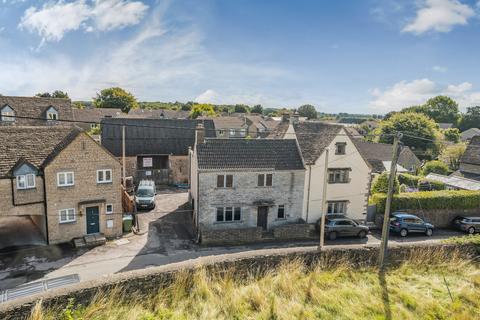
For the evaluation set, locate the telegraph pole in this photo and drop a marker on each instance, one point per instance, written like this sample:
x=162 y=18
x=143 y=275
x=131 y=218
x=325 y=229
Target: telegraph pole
x=324 y=202
x=388 y=203
x=123 y=157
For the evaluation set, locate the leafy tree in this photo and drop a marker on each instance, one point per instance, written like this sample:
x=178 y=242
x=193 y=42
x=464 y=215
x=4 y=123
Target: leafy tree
x=54 y=94
x=78 y=105
x=471 y=119
x=442 y=109
x=257 y=109
x=241 y=108
x=115 y=98
x=187 y=106
x=415 y=126
x=435 y=166
x=307 y=110
x=380 y=185
x=452 y=134
x=450 y=155
x=202 y=110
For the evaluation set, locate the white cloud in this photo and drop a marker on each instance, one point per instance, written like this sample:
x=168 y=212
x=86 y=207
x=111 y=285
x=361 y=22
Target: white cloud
x=440 y=16
x=439 y=69
x=54 y=19
x=208 y=96
x=404 y=94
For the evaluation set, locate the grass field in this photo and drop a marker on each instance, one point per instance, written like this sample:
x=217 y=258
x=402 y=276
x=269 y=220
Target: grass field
x=445 y=288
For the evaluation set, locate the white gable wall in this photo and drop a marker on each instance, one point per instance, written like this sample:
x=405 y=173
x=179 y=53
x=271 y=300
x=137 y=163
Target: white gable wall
x=355 y=192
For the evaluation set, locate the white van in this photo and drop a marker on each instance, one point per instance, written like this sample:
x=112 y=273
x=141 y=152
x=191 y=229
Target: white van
x=145 y=195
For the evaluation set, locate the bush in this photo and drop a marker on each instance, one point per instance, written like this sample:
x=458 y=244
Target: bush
x=408 y=179
x=403 y=188
x=430 y=185
x=435 y=166
x=380 y=185
x=445 y=199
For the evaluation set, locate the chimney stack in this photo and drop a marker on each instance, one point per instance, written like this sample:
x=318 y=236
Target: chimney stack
x=286 y=117
x=199 y=134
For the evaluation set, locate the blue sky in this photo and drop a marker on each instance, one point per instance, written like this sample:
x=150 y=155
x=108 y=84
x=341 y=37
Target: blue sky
x=341 y=56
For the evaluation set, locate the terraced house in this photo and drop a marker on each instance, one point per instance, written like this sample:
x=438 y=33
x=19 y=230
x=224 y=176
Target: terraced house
x=57 y=182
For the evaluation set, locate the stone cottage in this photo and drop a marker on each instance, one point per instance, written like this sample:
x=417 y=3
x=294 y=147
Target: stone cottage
x=245 y=186
x=470 y=161
x=60 y=180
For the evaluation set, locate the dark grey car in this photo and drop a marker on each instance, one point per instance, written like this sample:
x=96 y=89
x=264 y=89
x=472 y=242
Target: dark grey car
x=343 y=227
x=467 y=224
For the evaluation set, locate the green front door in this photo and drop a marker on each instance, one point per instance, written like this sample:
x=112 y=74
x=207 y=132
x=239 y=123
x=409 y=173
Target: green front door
x=93 y=220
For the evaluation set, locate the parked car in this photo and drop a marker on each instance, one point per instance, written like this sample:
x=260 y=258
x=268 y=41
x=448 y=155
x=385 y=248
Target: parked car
x=344 y=227
x=329 y=217
x=467 y=224
x=404 y=223
x=145 y=195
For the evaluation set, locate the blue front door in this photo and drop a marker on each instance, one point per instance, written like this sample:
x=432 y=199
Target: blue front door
x=93 y=220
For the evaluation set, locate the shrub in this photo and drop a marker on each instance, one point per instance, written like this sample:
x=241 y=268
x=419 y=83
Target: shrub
x=403 y=188
x=408 y=179
x=435 y=166
x=380 y=185
x=445 y=199
x=430 y=185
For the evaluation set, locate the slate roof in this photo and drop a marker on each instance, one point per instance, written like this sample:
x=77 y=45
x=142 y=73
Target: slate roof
x=36 y=145
x=229 y=122
x=469 y=134
x=472 y=153
x=95 y=114
x=281 y=154
x=152 y=136
x=314 y=137
x=157 y=114
x=36 y=107
x=377 y=153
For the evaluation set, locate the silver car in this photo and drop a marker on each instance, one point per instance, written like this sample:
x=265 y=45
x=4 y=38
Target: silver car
x=467 y=224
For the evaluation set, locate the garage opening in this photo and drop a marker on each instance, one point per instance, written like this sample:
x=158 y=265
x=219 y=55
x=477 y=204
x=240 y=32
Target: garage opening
x=154 y=167
x=22 y=231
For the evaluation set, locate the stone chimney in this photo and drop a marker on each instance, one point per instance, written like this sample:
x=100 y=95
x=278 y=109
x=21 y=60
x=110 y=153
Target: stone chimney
x=199 y=134
x=286 y=117
x=295 y=119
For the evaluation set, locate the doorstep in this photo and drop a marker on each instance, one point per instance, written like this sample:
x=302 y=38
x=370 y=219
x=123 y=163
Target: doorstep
x=90 y=240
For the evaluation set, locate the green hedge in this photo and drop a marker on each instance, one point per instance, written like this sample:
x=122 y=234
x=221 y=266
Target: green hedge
x=430 y=185
x=445 y=199
x=409 y=179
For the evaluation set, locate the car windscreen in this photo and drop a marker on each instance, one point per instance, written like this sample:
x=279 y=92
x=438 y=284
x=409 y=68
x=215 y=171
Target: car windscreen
x=145 y=193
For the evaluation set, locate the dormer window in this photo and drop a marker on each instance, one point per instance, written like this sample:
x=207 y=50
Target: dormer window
x=7 y=114
x=52 y=114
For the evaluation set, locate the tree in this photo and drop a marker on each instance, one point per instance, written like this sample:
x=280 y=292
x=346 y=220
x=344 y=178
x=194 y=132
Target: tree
x=257 y=109
x=307 y=110
x=78 y=105
x=54 y=94
x=452 y=134
x=471 y=119
x=435 y=166
x=380 y=185
x=241 y=108
x=442 y=109
x=418 y=129
x=450 y=155
x=115 y=98
x=202 y=110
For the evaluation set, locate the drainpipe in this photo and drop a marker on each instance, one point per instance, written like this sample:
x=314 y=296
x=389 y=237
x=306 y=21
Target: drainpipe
x=45 y=209
x=308 y=190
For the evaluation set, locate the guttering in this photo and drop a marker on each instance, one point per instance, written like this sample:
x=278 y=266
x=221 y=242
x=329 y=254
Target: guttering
x=308 y=191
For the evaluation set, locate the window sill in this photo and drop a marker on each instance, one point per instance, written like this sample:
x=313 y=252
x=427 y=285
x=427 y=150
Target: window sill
x=66 y=186
x=29 y=188
x=68 y=222
x=228 y=222
x=224 y=188
x=105 y=182
x=281 y=219
x=338 y=182
x=264 y=187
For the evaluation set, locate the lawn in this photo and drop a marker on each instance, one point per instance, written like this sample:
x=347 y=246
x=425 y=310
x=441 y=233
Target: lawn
x=447 y=288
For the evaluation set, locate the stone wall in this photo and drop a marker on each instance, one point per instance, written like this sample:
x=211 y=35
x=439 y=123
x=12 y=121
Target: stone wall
x=6 y=201
x=230 y=236
x=179 y=168
x=149 y=281
x=440 y=218
x=293 y=231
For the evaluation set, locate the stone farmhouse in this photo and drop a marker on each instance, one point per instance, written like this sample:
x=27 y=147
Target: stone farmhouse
x=60 y=180
x=26 y=108
x=243 y=187
x=155 y=149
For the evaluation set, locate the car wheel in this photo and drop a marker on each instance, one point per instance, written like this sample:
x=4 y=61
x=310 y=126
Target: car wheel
x=332 y=235
x=429 y=232
x=404 y=232
x=362 y=234
x=471 y=230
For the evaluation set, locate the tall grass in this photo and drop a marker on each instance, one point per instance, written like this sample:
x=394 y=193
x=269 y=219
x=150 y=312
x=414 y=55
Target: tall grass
x=416 y=289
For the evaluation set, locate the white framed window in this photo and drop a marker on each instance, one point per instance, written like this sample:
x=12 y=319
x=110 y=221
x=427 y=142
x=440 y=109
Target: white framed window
x=224 y=181
x=221 y=133
x=109 y=208
x=7 y=114
x=265 y=180
x=281 y=212
x=228 y=214
x=340 y=147
x=52 y=114
x=26 y=181
x=232 y=132
x=339 y=175
x=67 y=215
x=94 y=125
x=243 y=132
x=337 y=207
x=104 y=176
x=65 y=179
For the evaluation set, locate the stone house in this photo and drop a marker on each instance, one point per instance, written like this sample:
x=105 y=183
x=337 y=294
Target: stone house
x=90 y=118
x=157 y=114
x=62 y=180
x=242 y=126
x=155 y=149
x=47 y=110
x=468 y=134
x=349 y=173
x=470 y=161
x=245 y=186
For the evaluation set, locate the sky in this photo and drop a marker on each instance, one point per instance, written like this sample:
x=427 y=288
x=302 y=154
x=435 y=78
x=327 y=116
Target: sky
x=369 y=56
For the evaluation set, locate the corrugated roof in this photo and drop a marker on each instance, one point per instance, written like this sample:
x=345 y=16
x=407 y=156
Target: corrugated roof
x=245 y=153
x=455 y=181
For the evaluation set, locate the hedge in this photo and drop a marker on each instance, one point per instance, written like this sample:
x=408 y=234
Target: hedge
x=445 y=199
x=430 y=185
x=409 y=179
